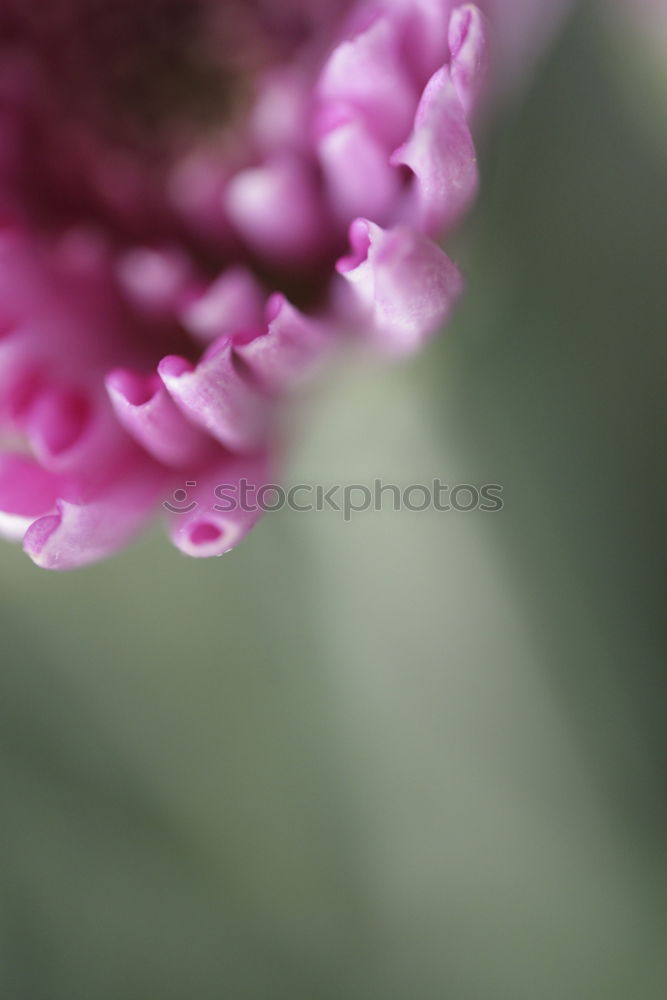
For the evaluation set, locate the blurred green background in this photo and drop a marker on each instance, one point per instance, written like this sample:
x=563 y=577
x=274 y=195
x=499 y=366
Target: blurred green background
x=419 y=755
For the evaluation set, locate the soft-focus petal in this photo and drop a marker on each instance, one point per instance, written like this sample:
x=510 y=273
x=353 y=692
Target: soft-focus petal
x=216 y=396
x=231 y=304
x=366 y=73
x=154 y=280
x=423 y=31
x=289 y=349
x=222 y=507
x=359 y=177
x=75 y=433
x=468 y=44
x=441 y=155
x=276 y=211
x=92 y=527
x=16 y=367
x=27 y=491
x=147 y=412
x=195 y=188
x=402 y=284
x=279 y=118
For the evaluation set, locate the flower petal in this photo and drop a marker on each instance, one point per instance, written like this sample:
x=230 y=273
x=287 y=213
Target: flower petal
x=367 y=73
x=16 y=368
x=404 y=287
x=91 y=528
x=221 y=508
x=288 y=350
x=72 y=431
x=359 y=178
x=231 y=304
x=147 y=412
x=423 y=25
x=154 y=280
x=441 y=155
x=276 y=210
x=279 y=117
x=27 y=491
x=468 y=45
x=217 y=397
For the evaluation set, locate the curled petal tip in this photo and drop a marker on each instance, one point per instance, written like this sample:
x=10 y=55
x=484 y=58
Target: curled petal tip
x=468 y=44
x=147 y=412
x=217 y=397
x=286 y=353
x=173 y=366
x=440 y=155
x=96 y=526
x=403 y=286
x=224 y=506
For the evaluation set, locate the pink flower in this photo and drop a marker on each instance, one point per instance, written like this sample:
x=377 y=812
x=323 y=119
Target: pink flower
x=191 y=217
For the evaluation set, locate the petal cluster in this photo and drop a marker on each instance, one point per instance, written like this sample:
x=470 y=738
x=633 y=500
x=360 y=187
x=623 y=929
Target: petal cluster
x=155 y=310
